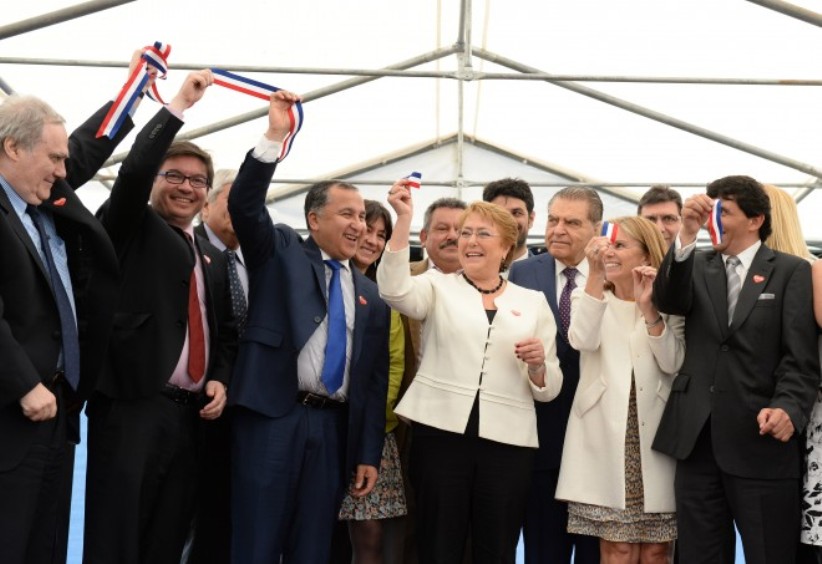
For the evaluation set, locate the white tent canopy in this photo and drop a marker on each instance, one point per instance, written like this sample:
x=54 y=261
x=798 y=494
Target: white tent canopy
x=737 y=81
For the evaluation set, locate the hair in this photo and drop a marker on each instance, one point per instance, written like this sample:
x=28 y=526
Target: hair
x=786 y=235
x=222 y=178
x=374 y=210
x=659 y=194
x=189 y=149
x=581 y=193
x=317 y=196
x=510 y=188
x=502 y=219
x=748 y=195
x=449 y=203
x=22 y=119
x=646 y=234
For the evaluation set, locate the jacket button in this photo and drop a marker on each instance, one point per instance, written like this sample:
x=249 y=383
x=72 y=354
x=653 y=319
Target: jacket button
x=711 y=389
x=724 y=348
x=317 y=319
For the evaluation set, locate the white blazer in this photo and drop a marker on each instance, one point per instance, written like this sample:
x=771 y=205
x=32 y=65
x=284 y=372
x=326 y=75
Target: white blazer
x=462 y=354
x=614 y=343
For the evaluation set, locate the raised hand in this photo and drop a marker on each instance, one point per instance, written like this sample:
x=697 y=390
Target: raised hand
x=595 y=253
x=192 y=90
x=695 y=212
x=279 y=122
x=399 y=196
x=644 y=277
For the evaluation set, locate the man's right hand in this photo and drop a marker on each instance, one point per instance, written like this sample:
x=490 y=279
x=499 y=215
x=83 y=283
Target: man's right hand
x=695 y=212
x=279 y=122
x=39 y=404
x=192 y=90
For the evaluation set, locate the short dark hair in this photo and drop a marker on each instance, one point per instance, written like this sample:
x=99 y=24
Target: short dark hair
x=373 y=211
x=189 y=149
x=584 y=193
x=659 y=194
x=317 y=196
x=749 y=195
x=449 y=203
x=510 y=188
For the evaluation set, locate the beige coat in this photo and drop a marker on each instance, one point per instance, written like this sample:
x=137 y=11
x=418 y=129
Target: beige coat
x=614 y=343
x=459 y=348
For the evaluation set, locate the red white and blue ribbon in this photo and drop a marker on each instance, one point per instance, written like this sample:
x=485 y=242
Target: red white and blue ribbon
x=155 y=56
x=414 y=179
x=263 y=91
x=715 y=223
x=610 y=230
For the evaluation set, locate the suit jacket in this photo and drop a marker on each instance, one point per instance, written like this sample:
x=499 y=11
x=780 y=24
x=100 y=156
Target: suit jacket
x=460 y=347
x=29 y=322
x=287 y=296
x=539 y=273
x=767 y=357
x=151 y=317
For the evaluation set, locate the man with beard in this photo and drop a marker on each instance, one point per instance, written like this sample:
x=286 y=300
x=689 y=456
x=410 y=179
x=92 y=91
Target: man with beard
x=514 y=195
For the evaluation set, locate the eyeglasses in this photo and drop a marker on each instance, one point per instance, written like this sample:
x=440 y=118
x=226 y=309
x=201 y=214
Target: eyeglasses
x=481 y=234
x=666 y=219
x=177 y=177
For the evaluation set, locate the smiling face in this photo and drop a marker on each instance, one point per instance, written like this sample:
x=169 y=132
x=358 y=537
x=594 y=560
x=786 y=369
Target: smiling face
x=178 y=204
x=621 y=257
x=738 y=231
x=33 y=172
x=440 y=239
x=481 y=249
x=337 y=227
x=371 y=245
x=665 y=215
x=568 y=230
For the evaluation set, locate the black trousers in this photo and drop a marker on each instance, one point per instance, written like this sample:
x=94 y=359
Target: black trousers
x=709 y=501
x=142 y=475
x=461 y=483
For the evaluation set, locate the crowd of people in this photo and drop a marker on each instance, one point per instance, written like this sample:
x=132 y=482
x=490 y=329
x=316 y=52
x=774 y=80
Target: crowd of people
x=256 y=396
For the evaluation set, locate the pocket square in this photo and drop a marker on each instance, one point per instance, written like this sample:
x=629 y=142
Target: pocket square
x=766 y=297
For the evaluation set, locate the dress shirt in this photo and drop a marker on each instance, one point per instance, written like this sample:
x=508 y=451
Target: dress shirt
x=560 y=279
x=267 y=151
x=58 y=246
x=745 y=257
x=241 y=271
x=312 y=356
x=180 y=375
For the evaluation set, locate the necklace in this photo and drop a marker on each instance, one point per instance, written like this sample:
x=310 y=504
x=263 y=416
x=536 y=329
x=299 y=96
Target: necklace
x=480 y=290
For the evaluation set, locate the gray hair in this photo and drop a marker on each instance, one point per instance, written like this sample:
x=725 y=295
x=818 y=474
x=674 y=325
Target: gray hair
x=581 y=193
x=22 y=119
x=448 y=203
x=222 y=178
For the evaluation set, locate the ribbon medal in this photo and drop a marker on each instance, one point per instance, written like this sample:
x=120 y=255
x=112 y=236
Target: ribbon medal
x=610 y=230
x=414 y=179
x=715 y=223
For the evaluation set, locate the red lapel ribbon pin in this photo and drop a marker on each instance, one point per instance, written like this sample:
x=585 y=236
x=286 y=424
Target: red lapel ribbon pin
x=758 y=279
x=60 y=202
x=363 y=301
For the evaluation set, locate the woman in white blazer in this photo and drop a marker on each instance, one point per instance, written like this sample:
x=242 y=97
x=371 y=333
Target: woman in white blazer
x=488 y=351
x=619 y=489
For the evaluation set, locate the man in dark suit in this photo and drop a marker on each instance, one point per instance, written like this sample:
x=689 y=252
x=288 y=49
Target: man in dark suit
x=749 y=380
x=310 y=383
x=515 y=195
x=40 y=167
x=170 y=352
x=573 y=217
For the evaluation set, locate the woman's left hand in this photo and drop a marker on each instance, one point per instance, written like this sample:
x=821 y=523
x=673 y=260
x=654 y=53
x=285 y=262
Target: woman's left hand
x=644 y=277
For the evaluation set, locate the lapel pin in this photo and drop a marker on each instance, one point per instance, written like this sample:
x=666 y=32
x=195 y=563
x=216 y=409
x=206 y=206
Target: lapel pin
x=363 y=301
x=758 y=279
x=207 y=259
x=59 y=202
x=516 y=312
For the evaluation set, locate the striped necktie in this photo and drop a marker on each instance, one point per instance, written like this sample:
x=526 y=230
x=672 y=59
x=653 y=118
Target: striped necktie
x=734 y=284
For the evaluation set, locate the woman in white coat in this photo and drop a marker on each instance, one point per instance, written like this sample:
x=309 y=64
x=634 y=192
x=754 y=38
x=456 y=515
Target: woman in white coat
x=619 y=489
x=488 y=351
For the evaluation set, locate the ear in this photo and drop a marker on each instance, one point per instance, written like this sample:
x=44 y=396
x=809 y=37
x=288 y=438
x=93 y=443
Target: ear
x=423 y=236
x=11 y=148
x=313 y=222
x=754 y=223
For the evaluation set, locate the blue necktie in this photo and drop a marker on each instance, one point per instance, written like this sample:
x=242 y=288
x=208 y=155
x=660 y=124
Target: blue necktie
x=68 y=324
x=334 y=366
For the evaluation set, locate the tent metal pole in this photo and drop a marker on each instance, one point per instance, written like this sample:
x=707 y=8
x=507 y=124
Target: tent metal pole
x=58 y=16
x=791 y=10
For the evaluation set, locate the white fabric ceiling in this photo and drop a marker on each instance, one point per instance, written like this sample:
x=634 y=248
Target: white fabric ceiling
x=533 y=119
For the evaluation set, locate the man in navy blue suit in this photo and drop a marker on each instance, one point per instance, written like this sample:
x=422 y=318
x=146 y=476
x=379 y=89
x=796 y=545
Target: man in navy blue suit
x=298 y=437
x=573 y=216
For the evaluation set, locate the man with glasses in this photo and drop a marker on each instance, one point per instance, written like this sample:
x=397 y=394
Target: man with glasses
x=171 y=351
x=662 y=206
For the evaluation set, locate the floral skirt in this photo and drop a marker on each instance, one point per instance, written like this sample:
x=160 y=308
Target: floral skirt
x=387 y=499
x=632 y=524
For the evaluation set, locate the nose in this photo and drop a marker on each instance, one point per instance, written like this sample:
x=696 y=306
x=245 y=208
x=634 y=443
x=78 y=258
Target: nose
x=60 y=169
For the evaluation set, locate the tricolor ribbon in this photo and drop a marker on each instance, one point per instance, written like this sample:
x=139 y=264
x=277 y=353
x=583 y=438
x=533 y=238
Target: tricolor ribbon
x=715 y=223
x=414 y=179
x=610 y=230
x=155 y=56
x=263 y=91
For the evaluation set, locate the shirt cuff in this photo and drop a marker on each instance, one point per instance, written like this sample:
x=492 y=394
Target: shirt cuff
x=267 y=151
x=681 y=253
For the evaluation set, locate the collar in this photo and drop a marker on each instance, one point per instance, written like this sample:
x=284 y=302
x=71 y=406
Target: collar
x=746 y=257
x=18 y=203
x=582 y=267
x=345 y=262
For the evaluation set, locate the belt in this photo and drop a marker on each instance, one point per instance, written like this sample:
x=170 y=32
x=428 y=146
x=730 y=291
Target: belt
x=181 y=395
x=317 y=401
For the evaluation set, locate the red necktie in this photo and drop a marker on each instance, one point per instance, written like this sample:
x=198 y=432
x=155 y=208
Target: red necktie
x=196 y=337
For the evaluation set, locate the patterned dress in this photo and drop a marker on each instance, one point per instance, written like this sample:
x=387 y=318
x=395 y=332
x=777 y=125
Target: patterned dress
x=387 y=499
x=632 y=524
x=812 y=484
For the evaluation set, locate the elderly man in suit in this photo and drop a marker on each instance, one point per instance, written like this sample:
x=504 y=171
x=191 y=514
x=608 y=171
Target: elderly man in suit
x=58 y=284
x=573 y=217
x=749 y=380
x=311 y=379
x=170 y=356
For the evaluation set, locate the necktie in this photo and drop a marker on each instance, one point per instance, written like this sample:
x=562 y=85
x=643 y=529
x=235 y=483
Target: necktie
x=68 y=323
x=734 y=284
x=565 y=300
x=334 y=365
x=238 y=302
x=196 y=336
